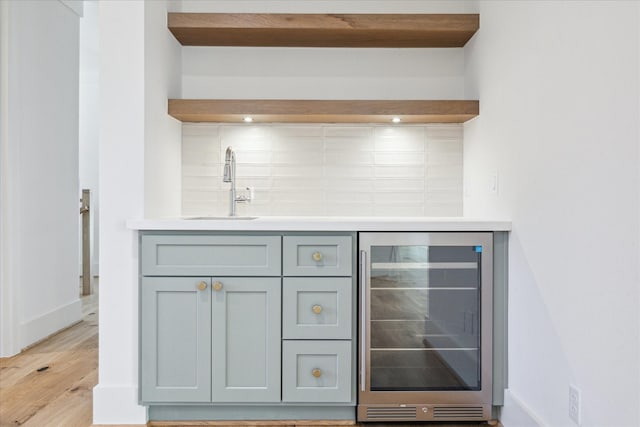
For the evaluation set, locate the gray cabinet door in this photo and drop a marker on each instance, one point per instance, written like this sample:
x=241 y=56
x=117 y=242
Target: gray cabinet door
x=317 y=255
x=175 y=339
x=316 y=371
x=246 y=339
x=316 y=307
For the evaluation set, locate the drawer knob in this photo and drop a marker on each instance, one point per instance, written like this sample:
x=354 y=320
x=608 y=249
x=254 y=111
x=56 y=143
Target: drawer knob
x=217 y=286
x=317 y=309
x=202 y=286
x=317 y=256
x=316 y=372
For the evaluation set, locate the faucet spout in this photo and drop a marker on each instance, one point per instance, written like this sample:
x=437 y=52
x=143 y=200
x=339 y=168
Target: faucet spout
x=230 y=177
x=229 y=165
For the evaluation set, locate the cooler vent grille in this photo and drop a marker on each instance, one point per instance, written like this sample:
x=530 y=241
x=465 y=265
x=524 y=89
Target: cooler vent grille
x=462 y=413
x=391 y=413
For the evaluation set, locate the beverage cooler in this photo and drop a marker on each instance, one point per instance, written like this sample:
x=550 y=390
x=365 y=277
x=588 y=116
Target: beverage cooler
x=425 y=326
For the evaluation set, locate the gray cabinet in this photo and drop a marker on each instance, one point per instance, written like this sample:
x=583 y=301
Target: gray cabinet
x=317 y=256
x=216 y=307
x=210 y=338
x=246 y=339
x=227 y=255
x=317 y=371
x=316 y=307
x=176 y=339
x=317 y=299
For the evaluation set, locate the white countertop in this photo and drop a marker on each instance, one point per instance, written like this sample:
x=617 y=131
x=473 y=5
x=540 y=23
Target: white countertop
x=309 y=223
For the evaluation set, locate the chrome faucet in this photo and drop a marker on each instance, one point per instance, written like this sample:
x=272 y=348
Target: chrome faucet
x=230 y=176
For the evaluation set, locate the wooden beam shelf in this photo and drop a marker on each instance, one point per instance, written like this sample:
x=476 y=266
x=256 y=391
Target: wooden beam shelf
x=322 y=111
x=323 y=30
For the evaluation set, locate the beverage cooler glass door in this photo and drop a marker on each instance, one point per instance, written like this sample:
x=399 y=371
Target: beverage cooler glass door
x=425 y=320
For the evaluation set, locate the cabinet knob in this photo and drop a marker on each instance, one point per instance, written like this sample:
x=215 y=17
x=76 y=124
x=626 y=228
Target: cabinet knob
x=317 y=309
x=317 y=256
x=217 y=286
x=202 y=286
x=316 y=372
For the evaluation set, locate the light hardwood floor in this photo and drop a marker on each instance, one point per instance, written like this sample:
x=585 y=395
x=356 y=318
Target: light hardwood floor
x=50 y=384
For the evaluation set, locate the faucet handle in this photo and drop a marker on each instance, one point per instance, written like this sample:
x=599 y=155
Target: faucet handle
x=246 y=198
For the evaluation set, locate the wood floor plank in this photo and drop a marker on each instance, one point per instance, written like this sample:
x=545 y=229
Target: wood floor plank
x=50 y=383
x=61 y=395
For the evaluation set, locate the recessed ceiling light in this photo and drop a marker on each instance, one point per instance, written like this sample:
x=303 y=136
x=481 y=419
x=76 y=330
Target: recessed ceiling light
x=396 y=120
x=248 y=119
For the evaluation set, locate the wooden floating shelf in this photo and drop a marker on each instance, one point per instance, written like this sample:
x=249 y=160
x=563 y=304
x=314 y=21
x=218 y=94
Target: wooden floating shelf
x=323 y=30
x=322 y=111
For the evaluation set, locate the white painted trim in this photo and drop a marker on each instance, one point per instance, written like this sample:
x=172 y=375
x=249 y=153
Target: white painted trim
x=515 y=413
x=49 y=323
x=8 y=324
x=117 y=405
x=77 y=6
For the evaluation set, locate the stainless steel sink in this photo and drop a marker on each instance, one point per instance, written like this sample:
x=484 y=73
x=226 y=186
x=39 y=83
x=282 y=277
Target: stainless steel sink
x=221 y=218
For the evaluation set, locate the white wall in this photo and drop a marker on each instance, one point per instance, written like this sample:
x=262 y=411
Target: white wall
x=559 y=122
x=325 y=170
x=323 y=73
x=89 y=115
x=39 y=199
x=121 y=153
x=163 y=67
x=139 y=152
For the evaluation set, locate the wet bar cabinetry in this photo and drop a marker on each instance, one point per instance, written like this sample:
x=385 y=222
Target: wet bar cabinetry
x=283 y=319
x=263 y=320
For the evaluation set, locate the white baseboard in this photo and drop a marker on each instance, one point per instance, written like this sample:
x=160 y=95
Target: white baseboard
x=117 y=405
x=49 y=323
x=515 y=413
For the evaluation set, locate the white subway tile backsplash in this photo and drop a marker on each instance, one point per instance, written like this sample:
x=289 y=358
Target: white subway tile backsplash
x=298 y=157
x=199 y=170
x=348 y=158
x=399 y=185
x=205 y=183
x=298 y=183
x=388 y=158
x=412 y=133
x=347 y=171
x=399 y=171
x=349 y=209
x=251 y=170
x=340 y=170
x=347 y=197
x=397 y=209
x=297 y=171
x=341 y=131
x=402 y=198
x=353 y=145
x=351 y=184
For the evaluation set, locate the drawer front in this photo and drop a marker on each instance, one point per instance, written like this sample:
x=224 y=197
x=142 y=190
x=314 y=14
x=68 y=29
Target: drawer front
x=317 y=256
x=316 y=308
x=316 y=371
x=211 y=255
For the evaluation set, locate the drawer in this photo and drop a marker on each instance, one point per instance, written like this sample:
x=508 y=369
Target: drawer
x=316 y=307
x=316 y=371
x=317 y=256
x=197 y=255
